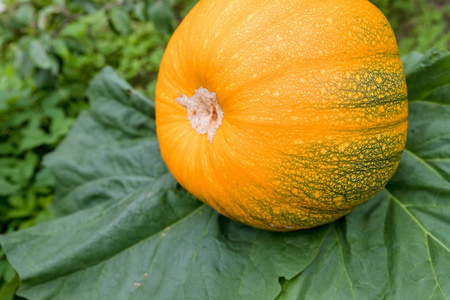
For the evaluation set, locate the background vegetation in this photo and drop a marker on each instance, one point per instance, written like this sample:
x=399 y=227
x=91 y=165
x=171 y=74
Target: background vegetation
x=50 y=50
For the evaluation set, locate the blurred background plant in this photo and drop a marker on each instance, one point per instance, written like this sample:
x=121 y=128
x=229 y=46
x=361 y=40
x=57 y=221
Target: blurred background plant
x=418 y=24
x=50 y=50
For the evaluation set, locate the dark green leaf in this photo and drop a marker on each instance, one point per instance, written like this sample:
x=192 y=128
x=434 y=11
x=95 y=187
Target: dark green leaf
x=440 y=95
x=7 y=188
x=160 y=13
x=45 y=79
x=88 y=6
x=120 y=20
x=24 y=15
x=426 y=72
x=352 y=263
x=23 y=64
x=139 y=11
x=39 y=55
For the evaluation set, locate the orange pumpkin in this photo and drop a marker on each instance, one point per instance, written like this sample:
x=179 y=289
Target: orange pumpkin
x=282 y=114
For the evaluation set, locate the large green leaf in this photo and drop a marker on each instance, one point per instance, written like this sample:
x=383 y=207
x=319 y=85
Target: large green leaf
x=426 y=72
x=127 y=230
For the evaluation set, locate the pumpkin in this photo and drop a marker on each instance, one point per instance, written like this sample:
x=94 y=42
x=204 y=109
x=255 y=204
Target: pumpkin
x=282 y=114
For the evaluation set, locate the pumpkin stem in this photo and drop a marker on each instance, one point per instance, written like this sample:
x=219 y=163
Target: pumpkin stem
x=204 y=111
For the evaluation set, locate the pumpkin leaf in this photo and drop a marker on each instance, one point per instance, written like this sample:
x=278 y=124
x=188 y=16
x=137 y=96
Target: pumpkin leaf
x=125 y=223
x=398 y=238
x=426 y=72
x=127 y=230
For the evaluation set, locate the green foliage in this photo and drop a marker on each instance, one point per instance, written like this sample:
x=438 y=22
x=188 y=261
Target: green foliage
x=49 y=51
x=112 y=182
x=418 y=24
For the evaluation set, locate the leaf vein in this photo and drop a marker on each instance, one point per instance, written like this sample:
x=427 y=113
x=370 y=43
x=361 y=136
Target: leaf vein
x=432 y=268
x=341 y=250
x=396 y=200
x=425 y=163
